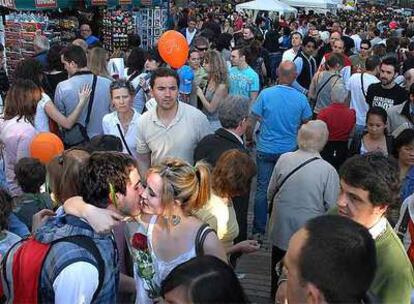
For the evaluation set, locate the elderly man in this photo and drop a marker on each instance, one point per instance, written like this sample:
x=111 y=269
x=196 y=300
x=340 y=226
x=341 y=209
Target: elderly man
x=233 y=112
x=281 y=110
x=86 y=34
x=41 y=46
x=302 y=186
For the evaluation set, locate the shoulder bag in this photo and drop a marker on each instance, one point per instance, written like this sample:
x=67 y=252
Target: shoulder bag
x=78 y=133
x=123 y=138
x=289 y=175
x=202 y=233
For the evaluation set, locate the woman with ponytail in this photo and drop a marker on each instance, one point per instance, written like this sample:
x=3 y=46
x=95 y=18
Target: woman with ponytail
x=171 y=193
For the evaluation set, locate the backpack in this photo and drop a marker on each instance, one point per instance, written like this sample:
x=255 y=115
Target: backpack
x=21 y=268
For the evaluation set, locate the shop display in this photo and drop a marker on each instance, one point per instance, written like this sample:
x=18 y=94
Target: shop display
x=21 y=28
x=151 y=23
x=117 y=25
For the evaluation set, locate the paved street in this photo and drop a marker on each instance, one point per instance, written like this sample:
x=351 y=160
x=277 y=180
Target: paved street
x=256 y=267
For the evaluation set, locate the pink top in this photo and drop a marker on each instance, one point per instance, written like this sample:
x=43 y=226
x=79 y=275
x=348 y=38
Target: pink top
x=16 y=137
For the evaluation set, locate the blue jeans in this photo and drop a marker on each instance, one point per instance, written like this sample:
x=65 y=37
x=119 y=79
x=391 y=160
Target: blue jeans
x=265 y=164
x=275 y=59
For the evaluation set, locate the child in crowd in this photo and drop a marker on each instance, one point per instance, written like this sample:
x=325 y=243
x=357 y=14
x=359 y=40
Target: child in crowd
x=30 y=175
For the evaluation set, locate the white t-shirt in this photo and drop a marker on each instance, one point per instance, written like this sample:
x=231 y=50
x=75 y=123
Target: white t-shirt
x=357 y=41
x=109 y=126
x=189 y=36
x=76 y=283
x=41 y=118
x=289 y=54
x=358 y=101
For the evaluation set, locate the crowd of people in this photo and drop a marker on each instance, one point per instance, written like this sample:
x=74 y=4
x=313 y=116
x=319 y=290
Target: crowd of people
x=148 y=202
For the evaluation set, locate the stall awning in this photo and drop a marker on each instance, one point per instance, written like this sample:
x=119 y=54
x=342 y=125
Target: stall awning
x=26 y=5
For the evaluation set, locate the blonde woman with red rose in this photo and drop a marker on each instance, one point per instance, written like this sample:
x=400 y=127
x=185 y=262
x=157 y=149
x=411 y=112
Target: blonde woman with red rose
x=171 y=192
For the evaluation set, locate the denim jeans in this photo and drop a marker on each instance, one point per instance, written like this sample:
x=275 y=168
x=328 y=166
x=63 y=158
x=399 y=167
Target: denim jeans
x=275 y=59
x=265 y=164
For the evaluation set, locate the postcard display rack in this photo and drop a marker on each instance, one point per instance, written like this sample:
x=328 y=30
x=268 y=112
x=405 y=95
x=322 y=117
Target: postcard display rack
x=117 y=25
x=21 y=28
x=151 y=23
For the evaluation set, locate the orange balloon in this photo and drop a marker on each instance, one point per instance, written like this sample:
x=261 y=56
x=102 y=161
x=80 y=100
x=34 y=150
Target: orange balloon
x=45 y=146
x=173 y=48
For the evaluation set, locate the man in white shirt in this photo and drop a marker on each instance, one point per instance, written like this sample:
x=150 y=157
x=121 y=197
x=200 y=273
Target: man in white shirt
x=172 y=128
x=190 y=31
x=291 y=53
x=358 y=86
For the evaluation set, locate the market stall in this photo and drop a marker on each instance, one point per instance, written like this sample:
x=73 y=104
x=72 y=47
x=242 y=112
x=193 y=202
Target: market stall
x=267 y=5
x=315 y=5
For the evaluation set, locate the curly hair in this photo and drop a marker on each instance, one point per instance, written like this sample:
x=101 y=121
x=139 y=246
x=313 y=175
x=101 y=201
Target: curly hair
x=101 y=170
x=6 y=207
x=218 y=68
x=375 y=173
x=233 y=174
x=181 y=181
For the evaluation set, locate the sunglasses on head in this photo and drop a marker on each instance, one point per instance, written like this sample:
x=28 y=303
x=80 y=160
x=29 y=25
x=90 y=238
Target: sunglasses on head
x=202 y=48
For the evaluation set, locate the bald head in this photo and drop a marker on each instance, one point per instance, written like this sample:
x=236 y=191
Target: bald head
x=287 y=72
x=409 y=78
x=82 y=43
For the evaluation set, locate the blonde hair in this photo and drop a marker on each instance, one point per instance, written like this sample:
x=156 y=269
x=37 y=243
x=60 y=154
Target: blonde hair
x=97 y=62
x=185 y=183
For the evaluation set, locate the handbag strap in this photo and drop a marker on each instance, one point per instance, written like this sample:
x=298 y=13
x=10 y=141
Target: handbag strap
x=362 y=85
x=293 y=171
x=324 y=85
x=123 y=138
x=90 y=103
x=402 y=229
x=202 y=233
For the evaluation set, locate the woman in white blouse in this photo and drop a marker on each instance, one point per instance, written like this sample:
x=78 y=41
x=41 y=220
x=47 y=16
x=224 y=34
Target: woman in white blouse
x=123 y=122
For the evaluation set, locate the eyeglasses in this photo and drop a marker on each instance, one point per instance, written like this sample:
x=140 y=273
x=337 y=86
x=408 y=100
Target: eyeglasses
x=365 y=48
x=202 y=49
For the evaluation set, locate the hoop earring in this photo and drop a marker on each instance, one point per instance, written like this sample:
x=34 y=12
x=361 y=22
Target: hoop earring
x=175 y=220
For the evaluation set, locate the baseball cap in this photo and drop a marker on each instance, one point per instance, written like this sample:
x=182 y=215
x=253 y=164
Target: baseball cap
x=186 y=75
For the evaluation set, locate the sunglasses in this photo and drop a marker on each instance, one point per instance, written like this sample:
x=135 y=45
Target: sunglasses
x=364 y=48
x=202 y=49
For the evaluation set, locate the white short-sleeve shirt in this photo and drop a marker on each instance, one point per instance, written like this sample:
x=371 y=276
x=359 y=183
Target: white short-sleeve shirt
x=109 y=126
x=179 y=139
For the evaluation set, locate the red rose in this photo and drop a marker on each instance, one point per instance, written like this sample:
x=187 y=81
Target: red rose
x=139 y=241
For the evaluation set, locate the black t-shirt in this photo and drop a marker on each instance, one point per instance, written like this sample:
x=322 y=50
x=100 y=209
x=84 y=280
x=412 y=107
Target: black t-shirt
x=377 y=96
